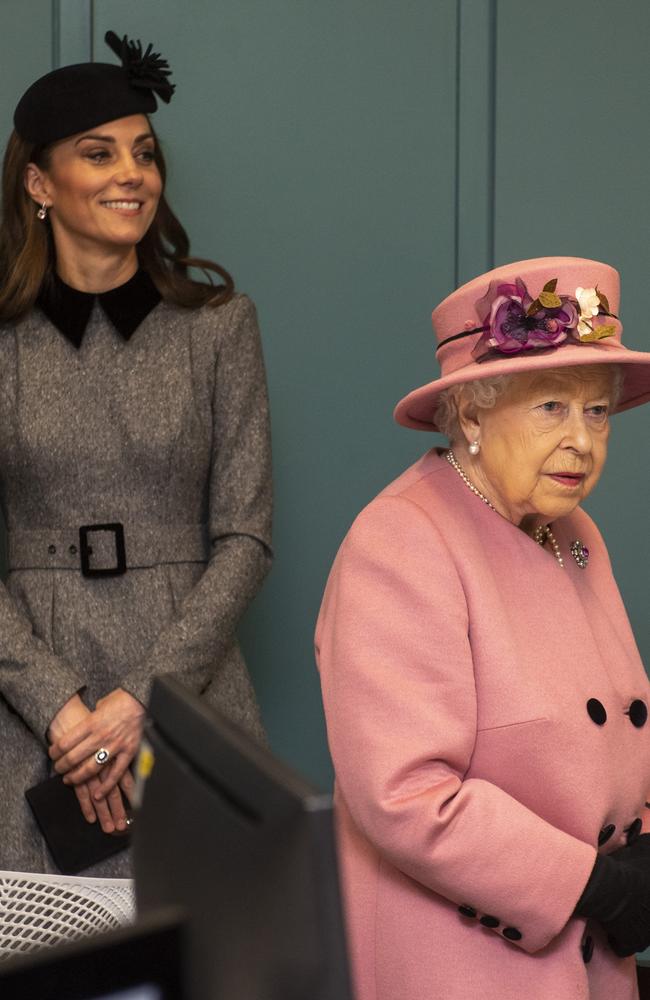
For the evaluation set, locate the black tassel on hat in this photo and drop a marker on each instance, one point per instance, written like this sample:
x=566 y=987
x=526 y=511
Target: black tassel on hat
x=79 y=97
x=145 y=70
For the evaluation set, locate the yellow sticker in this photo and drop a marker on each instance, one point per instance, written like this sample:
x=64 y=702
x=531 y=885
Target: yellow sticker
x=146 y=761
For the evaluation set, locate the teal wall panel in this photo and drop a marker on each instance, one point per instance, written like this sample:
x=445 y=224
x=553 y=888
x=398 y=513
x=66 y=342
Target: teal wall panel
x=475 y=138
x=72 y=33
x=311 y=150
x=26 y=49
x=571 y=177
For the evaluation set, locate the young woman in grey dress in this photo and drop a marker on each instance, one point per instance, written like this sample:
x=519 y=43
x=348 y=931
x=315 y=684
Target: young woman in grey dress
x=135 y=472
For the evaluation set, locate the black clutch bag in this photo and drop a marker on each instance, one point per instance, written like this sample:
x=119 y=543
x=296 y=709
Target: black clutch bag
x=73 y=843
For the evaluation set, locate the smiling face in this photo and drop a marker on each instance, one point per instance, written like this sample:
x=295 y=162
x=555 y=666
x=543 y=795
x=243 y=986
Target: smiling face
x=101 y=188
x=543 y=445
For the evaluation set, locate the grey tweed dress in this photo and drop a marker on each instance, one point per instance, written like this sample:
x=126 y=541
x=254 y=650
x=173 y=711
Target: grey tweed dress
x=167 y=434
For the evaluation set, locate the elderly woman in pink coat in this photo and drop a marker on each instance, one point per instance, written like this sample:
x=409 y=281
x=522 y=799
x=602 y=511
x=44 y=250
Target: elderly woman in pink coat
x=486 y=704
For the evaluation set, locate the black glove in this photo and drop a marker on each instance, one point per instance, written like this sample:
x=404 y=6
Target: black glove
x=617 y=895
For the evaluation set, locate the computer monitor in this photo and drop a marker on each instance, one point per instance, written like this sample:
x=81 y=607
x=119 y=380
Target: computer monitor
x=246 y=846
x=140 y=962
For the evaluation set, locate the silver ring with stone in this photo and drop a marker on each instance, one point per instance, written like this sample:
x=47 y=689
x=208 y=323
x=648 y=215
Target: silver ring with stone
x=102 y=756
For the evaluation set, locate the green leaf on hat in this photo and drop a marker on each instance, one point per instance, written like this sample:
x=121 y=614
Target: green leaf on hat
x=551 y=285
x=550 y=300
x=599 y=333
x=602 y=298
x=534 y=307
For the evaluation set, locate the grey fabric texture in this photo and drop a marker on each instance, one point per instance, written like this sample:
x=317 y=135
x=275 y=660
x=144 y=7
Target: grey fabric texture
x=168 y=429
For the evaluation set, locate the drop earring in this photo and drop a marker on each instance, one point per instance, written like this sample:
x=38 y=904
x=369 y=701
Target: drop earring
x=42 y=212
x=474 y=448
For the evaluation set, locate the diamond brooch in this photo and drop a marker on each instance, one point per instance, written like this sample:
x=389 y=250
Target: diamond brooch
x=580 y=553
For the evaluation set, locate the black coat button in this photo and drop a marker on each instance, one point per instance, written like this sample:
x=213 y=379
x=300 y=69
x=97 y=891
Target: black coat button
x=605 y=834
x=489 y=921
x=52 y=549
x=512 y=934
x=634 y=830
x=638 y=713
x=72 y=550
x=597 y=711
x=467 y=911
x=587 y=949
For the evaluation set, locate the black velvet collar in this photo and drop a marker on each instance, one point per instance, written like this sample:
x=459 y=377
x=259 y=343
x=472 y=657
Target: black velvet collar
x=126 y=306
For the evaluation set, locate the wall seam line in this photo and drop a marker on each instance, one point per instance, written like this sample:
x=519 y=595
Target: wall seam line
x=491 y=219
x=457 y=152
x=55 y=14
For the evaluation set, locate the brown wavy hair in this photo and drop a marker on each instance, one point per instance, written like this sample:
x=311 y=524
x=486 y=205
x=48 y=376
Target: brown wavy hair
x=27 y=251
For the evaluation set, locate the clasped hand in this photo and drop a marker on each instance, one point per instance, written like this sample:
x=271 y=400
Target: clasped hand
x=76 y=733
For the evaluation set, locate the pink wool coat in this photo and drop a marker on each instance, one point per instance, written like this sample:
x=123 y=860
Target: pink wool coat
x=486 y=714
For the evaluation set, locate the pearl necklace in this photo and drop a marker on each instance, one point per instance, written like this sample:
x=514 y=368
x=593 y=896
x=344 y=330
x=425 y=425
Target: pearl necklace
x=542 y=533
x=451 y=458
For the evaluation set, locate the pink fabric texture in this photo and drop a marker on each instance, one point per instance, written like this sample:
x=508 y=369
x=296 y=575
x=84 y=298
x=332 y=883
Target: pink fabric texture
x=457 y=659
x=458 y=314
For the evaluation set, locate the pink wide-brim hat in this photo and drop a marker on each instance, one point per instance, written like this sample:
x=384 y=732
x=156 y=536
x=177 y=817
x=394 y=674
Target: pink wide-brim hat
x=456 y=323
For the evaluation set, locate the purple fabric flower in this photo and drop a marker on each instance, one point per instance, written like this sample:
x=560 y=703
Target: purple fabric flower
x=511 y=327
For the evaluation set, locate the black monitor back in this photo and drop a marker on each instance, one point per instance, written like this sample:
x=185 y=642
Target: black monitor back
x=246 y=847
x=145 y=961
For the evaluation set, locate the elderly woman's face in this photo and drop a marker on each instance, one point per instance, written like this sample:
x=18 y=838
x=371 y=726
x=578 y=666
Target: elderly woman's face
x=544 y=444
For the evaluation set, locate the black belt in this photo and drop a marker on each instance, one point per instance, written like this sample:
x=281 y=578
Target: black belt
x=86 y=551
x=110 y=549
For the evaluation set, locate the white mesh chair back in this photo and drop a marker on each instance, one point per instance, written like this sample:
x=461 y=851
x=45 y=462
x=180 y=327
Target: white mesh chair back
x=39 y=911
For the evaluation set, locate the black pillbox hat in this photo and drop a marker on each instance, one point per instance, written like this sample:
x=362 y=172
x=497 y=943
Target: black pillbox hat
x=75 y=98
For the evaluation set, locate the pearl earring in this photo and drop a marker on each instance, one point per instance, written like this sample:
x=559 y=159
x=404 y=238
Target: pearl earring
x=42 y=212
x=474 y=448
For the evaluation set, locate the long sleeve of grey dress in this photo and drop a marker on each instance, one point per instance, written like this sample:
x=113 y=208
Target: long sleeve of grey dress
x=167 y=435
x=238 y=520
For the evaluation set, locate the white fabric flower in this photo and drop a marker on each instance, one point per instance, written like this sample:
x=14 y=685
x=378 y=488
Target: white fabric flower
x=588 y=301
x=589 y=305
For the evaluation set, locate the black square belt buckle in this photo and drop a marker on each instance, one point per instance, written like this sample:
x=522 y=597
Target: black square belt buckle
x=85 y=550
